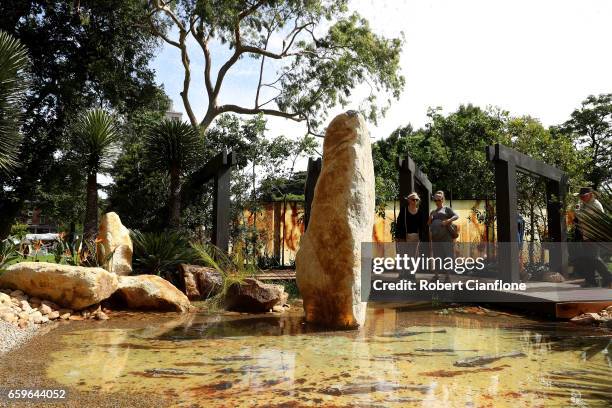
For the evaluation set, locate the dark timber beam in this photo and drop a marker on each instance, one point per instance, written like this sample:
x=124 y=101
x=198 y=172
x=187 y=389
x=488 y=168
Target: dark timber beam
x=507 y=221
x=312 y=175
x=411 y=178
x=219 y=169
x=524 y=162
x=557 y=229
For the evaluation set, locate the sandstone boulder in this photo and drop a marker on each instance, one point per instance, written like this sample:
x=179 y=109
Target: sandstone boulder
x=253 y=296
x=74 y=287
x=201 y=282
x=328 y=266
x=114 y=237
x=150 y=292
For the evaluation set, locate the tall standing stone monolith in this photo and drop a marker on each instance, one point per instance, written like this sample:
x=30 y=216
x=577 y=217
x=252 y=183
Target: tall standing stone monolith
x=328 y=266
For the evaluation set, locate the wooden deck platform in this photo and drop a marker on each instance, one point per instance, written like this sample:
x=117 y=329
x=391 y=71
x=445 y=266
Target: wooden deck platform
x=560 y=300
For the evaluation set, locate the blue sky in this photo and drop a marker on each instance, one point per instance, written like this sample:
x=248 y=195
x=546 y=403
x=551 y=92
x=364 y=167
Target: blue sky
x=530 y=57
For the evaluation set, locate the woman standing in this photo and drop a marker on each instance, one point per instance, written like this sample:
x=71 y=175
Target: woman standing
x=441 y=230
x=409 y=226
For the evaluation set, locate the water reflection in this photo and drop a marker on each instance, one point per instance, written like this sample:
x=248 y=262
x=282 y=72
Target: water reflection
x=400 y=358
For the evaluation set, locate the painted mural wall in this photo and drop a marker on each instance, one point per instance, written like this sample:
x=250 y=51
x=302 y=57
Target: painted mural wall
x=280 y=226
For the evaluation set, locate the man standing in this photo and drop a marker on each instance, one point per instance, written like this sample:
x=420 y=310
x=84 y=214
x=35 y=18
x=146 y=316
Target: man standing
x=589 y=263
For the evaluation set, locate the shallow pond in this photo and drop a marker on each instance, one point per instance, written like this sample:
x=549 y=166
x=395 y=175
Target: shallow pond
x=401 y=358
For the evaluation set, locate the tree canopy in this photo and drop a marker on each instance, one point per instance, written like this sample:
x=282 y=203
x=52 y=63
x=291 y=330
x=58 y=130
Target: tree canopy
x=590 y=127
x=311 y=53
x=81 y=57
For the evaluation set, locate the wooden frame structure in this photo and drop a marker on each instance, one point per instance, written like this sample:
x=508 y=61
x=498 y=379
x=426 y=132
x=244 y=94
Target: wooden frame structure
x=507 y=162
x=219 y=168
x=312 y=175
x=411 y=178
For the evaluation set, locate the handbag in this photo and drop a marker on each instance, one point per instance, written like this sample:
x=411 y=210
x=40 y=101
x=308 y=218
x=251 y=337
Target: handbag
x=453 y=230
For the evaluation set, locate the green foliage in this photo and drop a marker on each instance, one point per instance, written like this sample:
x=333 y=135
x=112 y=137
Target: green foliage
x=160 y=253
x=596 y=226
x=8 y=252
x=171 y=144
x=139 y=193
x=80 y=58
x=13 y=62
x=233 y=269
x=94 y=139
x=19 y=231
x=590 y=128
x=325 y=54
x=80 y=252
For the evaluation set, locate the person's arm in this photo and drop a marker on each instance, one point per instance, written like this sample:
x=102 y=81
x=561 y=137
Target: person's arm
x=453 y=217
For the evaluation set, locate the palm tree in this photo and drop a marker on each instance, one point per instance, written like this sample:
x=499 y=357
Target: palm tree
x=96 y=136
x=13 y=62
x=173 y=146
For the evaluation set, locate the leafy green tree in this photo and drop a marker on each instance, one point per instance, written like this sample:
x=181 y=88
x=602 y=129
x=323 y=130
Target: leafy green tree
x=139 y=192
x=528 y=136
x=325 y=53
x=83 y=54
x=13 y=62
x=590 y=127
x=95 y=137
x=174 y=147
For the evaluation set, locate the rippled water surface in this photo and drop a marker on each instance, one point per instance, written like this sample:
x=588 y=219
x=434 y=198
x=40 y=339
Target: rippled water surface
x=401 y=358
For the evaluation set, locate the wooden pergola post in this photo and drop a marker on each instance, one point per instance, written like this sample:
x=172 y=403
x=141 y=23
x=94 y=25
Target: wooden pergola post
x=312 y=175
x=507 y=162
x=411 y=178
x=219 y=168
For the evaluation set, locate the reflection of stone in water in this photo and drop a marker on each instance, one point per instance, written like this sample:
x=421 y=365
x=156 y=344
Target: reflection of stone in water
x=355 y=368
x=96 y=365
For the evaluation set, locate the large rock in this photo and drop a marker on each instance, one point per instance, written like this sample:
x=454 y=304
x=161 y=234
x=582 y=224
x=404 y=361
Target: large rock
x=73 y=287
x=114 y=237
x=150 y=292
x=253 y=296
x=200 y=282
x=341 y=218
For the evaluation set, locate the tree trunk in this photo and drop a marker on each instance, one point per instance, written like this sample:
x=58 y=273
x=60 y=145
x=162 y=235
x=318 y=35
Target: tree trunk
x=9 y=210
x=90 y=226
x=175 y=198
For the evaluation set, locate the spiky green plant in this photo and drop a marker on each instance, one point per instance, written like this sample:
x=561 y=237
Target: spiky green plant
x=8 y=252
x=160 y=253
x=95 y=138
x=173 y=146
x=233 y=269
x=596 y=226
x=13 y=63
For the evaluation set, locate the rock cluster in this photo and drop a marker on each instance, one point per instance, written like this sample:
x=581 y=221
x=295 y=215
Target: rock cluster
x=603 y=318
x=22 y=310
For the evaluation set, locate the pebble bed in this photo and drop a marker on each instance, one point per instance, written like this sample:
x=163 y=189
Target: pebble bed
x=22 y=316
x=12 y=336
